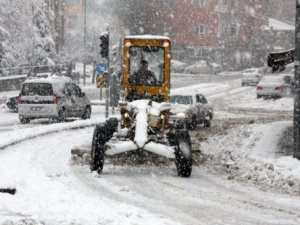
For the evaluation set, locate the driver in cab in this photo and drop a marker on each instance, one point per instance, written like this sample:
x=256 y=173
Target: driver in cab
x=143 y=76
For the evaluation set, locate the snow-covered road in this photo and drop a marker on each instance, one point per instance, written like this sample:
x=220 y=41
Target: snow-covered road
x=50 y=190
x=242 y=181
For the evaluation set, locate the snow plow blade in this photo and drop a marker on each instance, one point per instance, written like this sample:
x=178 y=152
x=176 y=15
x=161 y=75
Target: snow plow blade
x=125 y=146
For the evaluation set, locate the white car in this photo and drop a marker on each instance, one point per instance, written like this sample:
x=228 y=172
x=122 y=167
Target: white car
x=177 y=66
x=203 y=67
x=271 y=86
x=251 y=76
x=192 y=109
x=54 y=97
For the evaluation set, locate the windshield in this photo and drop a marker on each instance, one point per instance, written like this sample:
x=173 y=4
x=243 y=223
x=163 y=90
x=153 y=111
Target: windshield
x=146 y=66
x=181 y=99
x=42 y=89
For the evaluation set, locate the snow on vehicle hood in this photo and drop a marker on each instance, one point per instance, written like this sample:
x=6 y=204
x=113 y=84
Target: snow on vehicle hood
x=179 y=108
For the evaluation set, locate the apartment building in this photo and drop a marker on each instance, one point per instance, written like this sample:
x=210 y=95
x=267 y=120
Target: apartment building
x=226 y=31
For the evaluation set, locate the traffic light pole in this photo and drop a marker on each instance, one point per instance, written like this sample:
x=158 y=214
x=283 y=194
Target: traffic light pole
x=296 y=153
x=107 y=83
x=84 y=39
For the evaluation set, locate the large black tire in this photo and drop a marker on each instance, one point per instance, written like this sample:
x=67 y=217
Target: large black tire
x=98 y=149
x=61 y=116
x=102 y=134
x=24 y=120
x=183 y=154
x=193 y=125
x=207 y=123
x=87 y=113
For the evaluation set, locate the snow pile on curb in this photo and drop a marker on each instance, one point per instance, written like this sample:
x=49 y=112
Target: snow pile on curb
x=13 y=137
x=250 y=153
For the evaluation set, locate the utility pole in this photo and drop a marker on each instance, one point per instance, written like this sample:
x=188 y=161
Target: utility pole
x=84 y=41
x=296 y=153
x=108 y=79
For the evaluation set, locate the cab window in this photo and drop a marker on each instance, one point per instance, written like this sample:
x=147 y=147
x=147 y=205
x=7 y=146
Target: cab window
x=146 y=66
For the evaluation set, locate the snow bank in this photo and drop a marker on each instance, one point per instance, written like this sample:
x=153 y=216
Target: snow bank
x=251 y=153
x=15 y=136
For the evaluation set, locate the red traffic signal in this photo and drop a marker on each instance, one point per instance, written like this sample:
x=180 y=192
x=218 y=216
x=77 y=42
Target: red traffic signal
x=104 y=45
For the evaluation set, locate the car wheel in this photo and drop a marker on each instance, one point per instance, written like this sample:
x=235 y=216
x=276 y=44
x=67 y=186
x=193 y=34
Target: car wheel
x=87 y=113
x=61 y=116
x=24 y=120
x=193 y=124
x=102 y=134
x=258 y=96
x=183 y=154
x=207 y=123
x=98 y=149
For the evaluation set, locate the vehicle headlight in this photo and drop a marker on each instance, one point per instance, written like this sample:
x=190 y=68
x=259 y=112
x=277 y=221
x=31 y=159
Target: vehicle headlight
x=162 y=116
x=181 y=114
x=126 y=115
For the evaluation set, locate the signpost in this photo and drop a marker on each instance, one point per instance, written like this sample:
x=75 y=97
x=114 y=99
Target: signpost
x=101 y=69
x=296 y=153
x=104 y=52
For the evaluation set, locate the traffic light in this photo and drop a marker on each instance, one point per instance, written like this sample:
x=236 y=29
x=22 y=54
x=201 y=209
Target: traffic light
x=104 y=46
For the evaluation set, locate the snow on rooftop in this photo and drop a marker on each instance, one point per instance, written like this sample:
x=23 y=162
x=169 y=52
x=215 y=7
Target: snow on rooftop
x=147 y=37
x=50 y=79
x=274 y=24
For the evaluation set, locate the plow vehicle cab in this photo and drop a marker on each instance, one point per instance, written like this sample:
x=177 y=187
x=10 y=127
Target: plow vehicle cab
x=145 y=111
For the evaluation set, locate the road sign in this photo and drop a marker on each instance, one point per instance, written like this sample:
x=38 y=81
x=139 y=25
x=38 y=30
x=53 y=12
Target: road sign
x=101 y=68
x=101 y=81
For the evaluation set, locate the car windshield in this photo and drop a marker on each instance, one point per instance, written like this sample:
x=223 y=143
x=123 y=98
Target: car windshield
x=181 y=99
x=146 y=66
x=43 y=89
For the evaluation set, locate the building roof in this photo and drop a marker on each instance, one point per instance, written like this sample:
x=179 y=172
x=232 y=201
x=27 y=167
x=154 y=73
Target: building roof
x=277 y=25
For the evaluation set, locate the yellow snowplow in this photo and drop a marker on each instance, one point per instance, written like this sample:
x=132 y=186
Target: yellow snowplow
x=145 y=111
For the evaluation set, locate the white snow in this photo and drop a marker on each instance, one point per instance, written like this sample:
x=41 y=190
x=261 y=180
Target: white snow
x=147 y=36
x=277 y=25
x=141 y=128
x=50 y=190
x=160 y=149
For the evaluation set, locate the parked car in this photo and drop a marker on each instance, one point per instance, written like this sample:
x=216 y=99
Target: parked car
x=203 y=67
x=194 y=110
x=177 y=66
x=271 y=86
x=54 y=97
x=251 y=76
x=12 y=103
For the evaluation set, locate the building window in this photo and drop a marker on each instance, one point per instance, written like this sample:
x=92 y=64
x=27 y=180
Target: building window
x=233 y=30
x=200 y=30
x=166 y=3
x=202 y=3
x=223 y=4
x=72 y=21
x=167 y=30
x=234 y=4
